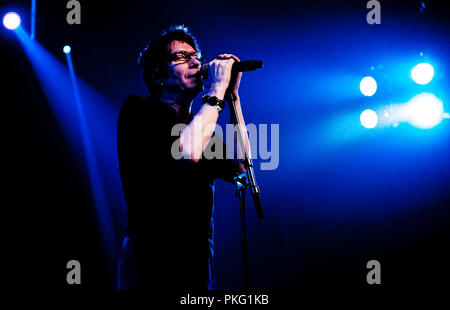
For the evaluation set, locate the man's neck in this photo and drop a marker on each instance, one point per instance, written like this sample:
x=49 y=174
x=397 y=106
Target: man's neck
x=181 y=104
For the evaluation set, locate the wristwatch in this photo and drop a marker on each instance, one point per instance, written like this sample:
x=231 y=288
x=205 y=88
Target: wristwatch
x=214 y=101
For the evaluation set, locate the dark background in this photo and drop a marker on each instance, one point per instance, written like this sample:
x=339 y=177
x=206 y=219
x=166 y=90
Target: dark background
x=341 y=195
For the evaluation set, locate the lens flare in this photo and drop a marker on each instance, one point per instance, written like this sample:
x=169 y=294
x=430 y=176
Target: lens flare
x=368 y=86
x=11 y=20
x=425 y=111
x=369 y=118
x=422 y=73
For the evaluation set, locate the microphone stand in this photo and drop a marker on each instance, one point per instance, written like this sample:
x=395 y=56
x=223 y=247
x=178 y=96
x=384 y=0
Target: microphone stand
x=242 y=182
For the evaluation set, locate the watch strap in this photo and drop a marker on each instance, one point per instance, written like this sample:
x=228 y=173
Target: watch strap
x=214 y=101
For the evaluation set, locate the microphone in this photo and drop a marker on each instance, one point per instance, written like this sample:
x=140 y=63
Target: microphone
x=242 y=66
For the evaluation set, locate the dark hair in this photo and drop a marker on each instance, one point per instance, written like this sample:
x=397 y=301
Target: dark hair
x=153 y=58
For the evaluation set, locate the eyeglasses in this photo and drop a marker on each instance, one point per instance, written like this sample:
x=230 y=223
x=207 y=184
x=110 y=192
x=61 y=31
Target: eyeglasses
x=183 y=57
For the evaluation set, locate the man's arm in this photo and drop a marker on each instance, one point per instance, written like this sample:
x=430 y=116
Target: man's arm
x=196 y=135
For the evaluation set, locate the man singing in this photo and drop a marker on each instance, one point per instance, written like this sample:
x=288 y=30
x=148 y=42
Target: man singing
x=169 y=233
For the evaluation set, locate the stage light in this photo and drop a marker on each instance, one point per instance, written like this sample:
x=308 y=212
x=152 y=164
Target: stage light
x=422 y=73
x=66 y=49
x=11 y=20
x=368 y=86
x=425 y=111
x=369 y=118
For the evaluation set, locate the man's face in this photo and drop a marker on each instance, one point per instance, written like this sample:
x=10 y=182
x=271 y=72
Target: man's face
x=183 y=76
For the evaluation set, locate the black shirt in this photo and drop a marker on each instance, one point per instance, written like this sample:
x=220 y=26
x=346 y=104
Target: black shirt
x=170 y=201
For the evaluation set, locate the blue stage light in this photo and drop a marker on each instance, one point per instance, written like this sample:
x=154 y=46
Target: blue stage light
x=425 y=111
x=11 y=20
x=368 y=86
x=369 y=118
x=422 y=73
x=66 y=49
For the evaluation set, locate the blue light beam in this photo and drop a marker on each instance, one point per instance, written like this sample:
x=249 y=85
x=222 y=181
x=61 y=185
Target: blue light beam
x=98 y=150
x=98 y=191
x=33 y=20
